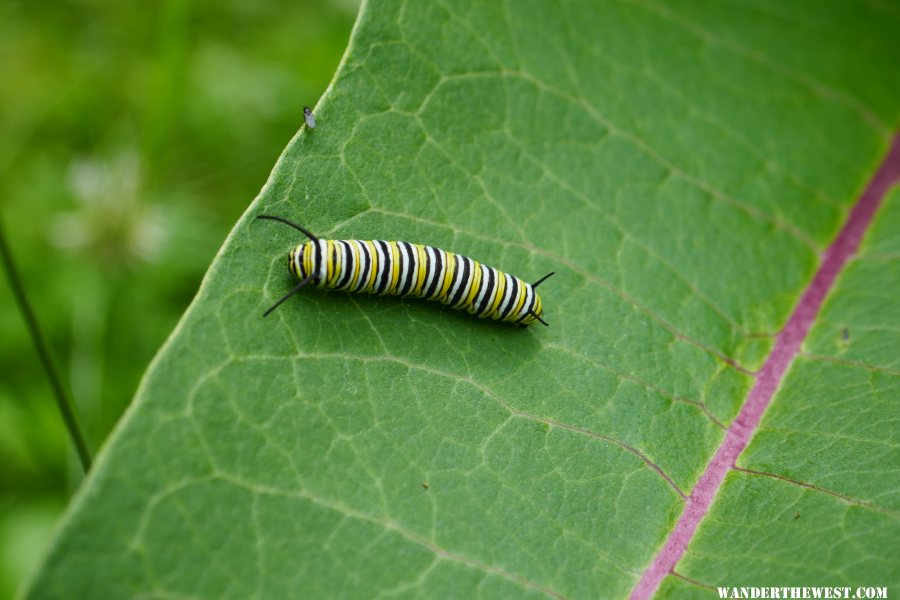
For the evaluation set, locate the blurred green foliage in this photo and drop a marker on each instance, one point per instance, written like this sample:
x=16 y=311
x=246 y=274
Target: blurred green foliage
x=133 y=136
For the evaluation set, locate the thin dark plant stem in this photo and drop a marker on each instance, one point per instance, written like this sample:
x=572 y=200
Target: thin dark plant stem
x=62 y=399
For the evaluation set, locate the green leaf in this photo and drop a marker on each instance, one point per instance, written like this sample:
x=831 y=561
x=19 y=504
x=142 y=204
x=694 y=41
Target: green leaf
x=821 y=473
x=681 y=169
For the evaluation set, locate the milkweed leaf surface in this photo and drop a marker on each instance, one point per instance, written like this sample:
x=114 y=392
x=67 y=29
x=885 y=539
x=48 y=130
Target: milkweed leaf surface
x=682 y=167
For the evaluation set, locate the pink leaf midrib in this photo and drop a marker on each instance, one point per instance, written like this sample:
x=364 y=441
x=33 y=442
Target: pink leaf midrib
x=787 y=345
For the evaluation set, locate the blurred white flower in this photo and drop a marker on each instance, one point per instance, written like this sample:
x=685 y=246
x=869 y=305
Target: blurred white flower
x=111 y=224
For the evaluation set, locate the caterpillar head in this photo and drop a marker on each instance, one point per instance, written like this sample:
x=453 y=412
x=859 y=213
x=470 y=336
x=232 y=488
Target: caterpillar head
x=300 y=260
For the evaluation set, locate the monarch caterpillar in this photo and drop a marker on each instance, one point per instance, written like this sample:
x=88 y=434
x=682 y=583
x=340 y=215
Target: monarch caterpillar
x=404 y=269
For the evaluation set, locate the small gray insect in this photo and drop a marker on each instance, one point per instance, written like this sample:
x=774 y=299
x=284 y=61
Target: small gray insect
x=308 y=116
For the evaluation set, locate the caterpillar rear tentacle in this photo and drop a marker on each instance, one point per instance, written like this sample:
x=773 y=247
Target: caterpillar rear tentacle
x=414 y=270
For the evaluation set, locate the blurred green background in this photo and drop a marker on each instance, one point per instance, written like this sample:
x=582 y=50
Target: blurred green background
x=133 y=137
